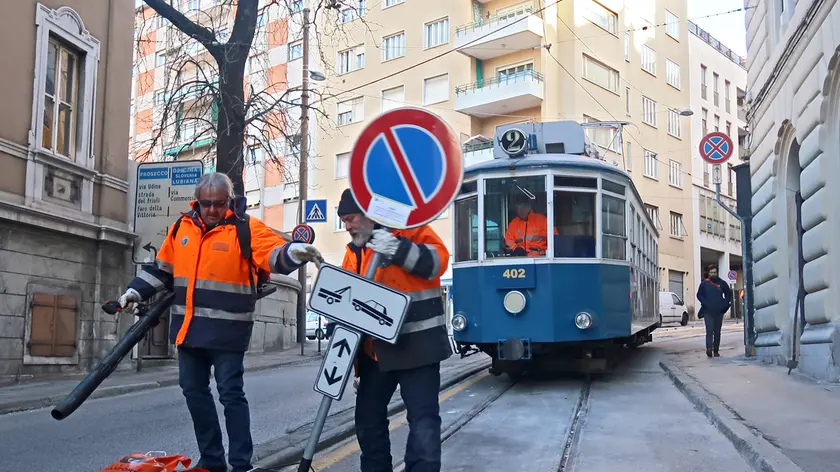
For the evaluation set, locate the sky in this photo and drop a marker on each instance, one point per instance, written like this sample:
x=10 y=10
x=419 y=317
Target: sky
x=729 y=29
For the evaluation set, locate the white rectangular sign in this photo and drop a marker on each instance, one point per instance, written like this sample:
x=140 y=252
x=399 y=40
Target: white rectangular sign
x=716 y=177
x=338 y=360
x=164 y=190
x=359 y=303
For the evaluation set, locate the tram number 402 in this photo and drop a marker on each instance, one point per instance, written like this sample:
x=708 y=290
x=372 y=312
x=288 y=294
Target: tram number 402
x=514 y=273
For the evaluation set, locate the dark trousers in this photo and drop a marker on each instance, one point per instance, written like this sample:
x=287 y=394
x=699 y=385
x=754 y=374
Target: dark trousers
x=419 y=389
x=713 y=325
x=194 y=377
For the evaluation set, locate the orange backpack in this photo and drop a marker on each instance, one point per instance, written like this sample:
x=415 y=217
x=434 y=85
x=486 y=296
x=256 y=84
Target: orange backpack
x=139 y=462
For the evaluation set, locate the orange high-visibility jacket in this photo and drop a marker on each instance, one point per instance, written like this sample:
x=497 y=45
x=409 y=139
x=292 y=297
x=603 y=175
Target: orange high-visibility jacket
x=415 y=269
x=531 y=234
x=214 y=300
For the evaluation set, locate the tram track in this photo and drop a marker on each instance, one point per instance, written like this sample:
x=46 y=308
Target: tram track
x=578 y=420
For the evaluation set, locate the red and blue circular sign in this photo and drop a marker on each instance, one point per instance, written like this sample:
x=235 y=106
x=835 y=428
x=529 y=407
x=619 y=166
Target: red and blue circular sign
x=716 y=147
x=406 y=168
x=303 y=234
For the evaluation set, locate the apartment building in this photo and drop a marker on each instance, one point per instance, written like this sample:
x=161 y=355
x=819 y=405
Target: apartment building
x=793 y=91
x=174 y=115
x=587 y=61
x=64 y=239
x=718 y=80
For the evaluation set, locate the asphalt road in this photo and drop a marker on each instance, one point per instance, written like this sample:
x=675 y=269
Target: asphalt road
x=632 y=419
x=103 y=430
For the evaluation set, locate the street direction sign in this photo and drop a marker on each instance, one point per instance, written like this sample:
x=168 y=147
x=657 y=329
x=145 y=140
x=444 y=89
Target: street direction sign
x=338 y=360
x=163 y=191
x=732 y=275
x=716 y=147
x=303 y=234
x=716 y=175
x=315 y=211
x=406 y=168
x=359 y=303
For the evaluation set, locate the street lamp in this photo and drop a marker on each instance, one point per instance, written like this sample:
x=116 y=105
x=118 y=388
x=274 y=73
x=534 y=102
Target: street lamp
x=686 y=112
x=317 y=76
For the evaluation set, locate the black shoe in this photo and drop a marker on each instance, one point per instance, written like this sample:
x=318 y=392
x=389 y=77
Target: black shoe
x=708 y=353
x=717 y=354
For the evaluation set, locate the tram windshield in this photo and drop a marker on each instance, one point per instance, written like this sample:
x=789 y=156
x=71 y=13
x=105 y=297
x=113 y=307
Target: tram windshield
x=515 y=221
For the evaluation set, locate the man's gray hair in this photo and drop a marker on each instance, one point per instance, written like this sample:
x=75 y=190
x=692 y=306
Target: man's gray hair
x=214 y=181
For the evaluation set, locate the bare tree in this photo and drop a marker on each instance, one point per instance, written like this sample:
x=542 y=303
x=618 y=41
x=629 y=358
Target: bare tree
x=207 y=100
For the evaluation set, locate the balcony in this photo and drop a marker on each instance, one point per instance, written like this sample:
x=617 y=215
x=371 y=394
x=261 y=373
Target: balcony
x=498 y=36
x=501 y=95
x=477 y=153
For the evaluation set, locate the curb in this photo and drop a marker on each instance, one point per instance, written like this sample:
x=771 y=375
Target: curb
x=292 y=454
x=759 y=453
x=117 y=390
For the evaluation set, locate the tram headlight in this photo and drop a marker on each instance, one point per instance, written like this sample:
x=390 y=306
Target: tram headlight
x=459 y=322
x=583 y=320
x=514 y=302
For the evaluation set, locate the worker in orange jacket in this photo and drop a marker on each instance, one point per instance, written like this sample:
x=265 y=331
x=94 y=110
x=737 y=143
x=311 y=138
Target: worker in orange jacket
x=527 y=233
x=414 y=261
x=201 y=260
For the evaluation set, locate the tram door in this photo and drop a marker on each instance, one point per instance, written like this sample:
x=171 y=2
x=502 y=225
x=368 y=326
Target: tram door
x=447 y=307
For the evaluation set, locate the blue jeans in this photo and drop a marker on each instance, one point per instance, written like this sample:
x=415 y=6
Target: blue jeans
x=419 y=389
x=194 y=377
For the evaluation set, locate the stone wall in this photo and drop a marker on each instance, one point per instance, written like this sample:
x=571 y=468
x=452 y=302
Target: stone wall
x=276 y=322
x=36 y=261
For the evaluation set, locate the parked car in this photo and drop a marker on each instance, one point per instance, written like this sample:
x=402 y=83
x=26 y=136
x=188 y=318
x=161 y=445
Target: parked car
x=672 y=309
x=312 y=322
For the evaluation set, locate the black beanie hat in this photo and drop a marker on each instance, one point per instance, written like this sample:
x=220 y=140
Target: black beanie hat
x=347 y=205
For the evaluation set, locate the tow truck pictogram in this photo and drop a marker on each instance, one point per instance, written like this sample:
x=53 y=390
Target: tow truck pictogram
x=331 y=296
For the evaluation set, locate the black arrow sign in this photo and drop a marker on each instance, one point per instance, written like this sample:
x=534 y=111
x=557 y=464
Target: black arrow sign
x=331 y=378
x=342 y=345
x=151 y=249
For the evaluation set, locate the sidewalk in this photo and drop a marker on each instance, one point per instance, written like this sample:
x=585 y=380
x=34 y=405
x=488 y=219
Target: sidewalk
x=45 y=392
x=778 y=422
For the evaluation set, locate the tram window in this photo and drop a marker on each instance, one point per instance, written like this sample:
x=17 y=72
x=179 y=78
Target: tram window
x=466 y=229
x=585 y=182
x=614 y=229
x=468 y=187
x=515 y=222
x=574 y=218
x=613 y=187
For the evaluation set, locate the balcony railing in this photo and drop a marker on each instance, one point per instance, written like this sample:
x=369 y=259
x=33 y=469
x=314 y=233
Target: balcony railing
x=523 y=76
x=469 y=27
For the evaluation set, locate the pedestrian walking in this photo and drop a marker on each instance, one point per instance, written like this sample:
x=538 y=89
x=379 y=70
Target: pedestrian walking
x=715 y=298
x=204 y=260
x=415 y=259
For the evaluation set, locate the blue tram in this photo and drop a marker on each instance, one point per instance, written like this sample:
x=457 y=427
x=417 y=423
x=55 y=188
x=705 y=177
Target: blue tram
x=580 y=283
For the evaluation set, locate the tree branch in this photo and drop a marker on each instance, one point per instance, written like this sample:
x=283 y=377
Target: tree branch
x=201 y=34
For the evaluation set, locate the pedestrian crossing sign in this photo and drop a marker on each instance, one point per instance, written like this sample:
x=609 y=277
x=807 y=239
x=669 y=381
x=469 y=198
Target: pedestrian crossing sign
x=316 y=211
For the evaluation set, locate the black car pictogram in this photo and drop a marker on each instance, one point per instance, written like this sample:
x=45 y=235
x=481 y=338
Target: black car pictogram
x=373 y=309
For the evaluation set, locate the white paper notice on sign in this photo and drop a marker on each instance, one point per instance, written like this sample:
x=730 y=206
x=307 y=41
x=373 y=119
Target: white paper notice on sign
x=390 y=213
x=337 y=363
x=359 y=303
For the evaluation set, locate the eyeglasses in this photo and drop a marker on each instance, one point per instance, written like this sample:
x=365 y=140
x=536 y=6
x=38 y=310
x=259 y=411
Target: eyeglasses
x=213 y=203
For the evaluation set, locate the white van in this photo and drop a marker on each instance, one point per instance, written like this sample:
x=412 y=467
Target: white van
x=672 y=309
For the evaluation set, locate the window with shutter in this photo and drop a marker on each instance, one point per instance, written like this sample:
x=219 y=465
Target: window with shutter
x=436 y=89
x=393 y=98
x=53 y=328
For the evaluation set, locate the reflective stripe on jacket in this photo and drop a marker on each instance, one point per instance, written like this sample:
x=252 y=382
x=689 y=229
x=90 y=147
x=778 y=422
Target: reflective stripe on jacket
x=214 y=303
x=530 y=234
x=415 y=269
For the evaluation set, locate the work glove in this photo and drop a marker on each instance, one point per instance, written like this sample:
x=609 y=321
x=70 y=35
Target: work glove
x=301 y=253
x=128 y=301
x=383 y=242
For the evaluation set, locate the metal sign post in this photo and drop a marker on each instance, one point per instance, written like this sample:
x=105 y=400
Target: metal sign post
x=405 y=169
x=716 y=148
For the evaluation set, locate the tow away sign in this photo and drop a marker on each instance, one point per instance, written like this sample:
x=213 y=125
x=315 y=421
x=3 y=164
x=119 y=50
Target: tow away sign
x=359 y=303
x=338 y=360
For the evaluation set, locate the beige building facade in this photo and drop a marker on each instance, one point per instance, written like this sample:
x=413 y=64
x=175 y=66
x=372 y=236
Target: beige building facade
x=718 y=83
x=509 y=62
x=64 y=239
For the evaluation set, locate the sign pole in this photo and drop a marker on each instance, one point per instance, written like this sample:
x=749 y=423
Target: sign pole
x=326 y=402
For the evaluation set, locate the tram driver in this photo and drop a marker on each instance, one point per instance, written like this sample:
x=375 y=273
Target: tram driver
x=527 y=233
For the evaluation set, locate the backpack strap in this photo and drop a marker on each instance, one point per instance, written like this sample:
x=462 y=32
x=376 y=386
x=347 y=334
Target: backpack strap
x=243 y=234
x=177 y=225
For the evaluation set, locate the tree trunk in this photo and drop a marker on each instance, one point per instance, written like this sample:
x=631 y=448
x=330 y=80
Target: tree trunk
x=231 y=124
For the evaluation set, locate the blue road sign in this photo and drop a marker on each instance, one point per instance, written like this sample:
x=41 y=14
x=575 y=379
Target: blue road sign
x=716 y=147
x=315 y=211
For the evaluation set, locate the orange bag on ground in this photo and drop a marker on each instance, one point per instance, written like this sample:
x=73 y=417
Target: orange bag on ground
x=139 y=462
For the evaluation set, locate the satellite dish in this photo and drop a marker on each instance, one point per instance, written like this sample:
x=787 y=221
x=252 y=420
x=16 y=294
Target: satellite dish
x=513 y=142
